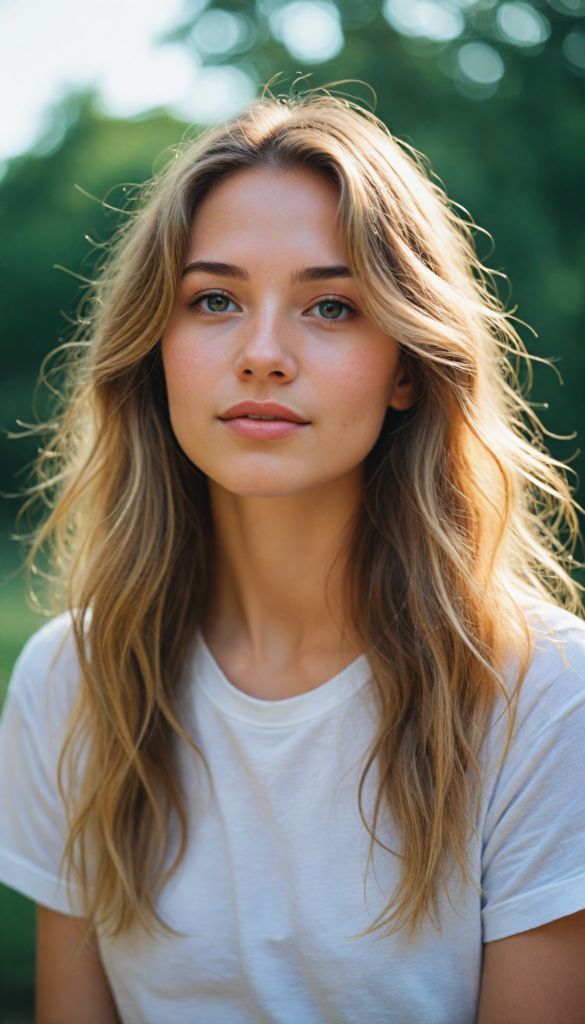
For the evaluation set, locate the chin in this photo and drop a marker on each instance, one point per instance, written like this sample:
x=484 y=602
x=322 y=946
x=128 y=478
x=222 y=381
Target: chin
x=262 y=488
x=262 y=481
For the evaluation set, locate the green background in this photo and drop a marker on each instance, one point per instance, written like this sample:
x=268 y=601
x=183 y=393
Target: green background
x=515 y=160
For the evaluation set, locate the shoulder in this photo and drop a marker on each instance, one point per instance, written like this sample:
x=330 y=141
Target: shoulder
x=533 y=830
x=555 y=631
x=33 y=728
x=554 y=685
x=548 y=708
x=46 y=674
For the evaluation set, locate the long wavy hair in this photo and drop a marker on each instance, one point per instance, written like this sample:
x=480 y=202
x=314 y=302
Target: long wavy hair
x=465 y=515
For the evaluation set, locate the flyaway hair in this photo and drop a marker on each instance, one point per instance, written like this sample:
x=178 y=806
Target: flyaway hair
x=466 y=516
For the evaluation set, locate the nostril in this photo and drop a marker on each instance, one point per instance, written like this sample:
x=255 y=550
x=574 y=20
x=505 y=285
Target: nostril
x=277 y=373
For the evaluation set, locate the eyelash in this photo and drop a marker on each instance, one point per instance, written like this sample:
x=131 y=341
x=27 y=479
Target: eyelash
x=206 y=295
x=335 y=298
x=194 y=302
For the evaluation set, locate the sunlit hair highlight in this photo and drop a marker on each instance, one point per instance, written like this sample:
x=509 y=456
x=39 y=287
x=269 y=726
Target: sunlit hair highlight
x=466 y=516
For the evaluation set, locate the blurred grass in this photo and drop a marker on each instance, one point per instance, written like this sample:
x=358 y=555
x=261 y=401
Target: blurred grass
x=17 y=918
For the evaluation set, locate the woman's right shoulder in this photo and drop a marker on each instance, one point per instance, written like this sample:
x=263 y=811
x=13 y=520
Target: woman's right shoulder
x=46 y=674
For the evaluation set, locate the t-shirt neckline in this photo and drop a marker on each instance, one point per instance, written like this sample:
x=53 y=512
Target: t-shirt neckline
x=276 y=714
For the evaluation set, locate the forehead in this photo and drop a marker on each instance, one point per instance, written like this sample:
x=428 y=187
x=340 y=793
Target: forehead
x=271 y=211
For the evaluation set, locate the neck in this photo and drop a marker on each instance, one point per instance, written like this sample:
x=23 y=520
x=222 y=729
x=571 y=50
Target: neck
x=278 y=622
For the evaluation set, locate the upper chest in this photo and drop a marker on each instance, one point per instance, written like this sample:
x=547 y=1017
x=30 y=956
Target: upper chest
x=276 y=889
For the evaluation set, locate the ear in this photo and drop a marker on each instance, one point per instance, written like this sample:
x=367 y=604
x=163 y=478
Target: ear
x=404 y=391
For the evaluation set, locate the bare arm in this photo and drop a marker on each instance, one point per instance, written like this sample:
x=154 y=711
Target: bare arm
x=72 y=987
x=536 y=977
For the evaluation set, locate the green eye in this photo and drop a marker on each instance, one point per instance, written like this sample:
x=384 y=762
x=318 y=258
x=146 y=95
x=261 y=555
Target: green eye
x=217 y=303
x=331 y=309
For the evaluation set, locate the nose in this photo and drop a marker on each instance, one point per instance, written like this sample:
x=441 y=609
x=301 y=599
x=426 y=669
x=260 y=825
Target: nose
x=266 y=354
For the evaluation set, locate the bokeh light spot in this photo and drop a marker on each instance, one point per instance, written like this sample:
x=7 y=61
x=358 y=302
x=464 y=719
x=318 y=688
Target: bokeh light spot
x=574 y=48
x=480 y=63
x=438 y=20
x=574 y=8
x=522 y=25
x=217 y=93
x=218 y=31
x=310 y=30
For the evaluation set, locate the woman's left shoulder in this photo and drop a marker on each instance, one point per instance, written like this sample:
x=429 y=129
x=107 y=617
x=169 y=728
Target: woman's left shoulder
x=548 y=707
x=554 y=684
x=533 y=831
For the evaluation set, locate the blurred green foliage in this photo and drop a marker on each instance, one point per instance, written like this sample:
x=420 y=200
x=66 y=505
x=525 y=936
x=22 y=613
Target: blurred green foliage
x=17 y=623
x=514 y=159
x=44 y=220
x=17 y=922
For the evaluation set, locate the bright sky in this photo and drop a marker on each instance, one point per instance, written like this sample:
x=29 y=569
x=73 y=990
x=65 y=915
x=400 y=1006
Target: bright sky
x=48 y=47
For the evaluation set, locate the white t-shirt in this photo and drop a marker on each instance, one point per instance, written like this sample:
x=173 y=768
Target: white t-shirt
x=270 y=897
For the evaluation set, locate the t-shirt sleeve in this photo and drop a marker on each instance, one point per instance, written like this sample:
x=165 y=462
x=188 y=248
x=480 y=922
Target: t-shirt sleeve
x=533 y=857
x=33 y=820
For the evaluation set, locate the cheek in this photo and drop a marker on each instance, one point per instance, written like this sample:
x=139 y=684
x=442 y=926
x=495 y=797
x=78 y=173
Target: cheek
x=356 y=389
x=190 y=373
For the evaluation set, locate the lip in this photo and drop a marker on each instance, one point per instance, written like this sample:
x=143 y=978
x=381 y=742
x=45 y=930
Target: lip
x=288 y=421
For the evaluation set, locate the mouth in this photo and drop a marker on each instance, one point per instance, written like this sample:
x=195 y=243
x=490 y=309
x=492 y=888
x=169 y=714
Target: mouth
x=263 y=420
x=250 y=416
x=262 y=411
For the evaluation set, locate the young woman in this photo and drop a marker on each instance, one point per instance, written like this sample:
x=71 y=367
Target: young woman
x=308 y=744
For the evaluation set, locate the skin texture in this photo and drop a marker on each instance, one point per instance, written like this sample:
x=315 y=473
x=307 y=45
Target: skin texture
x=71 y=987
x=283 y=511
x=282 y=508
x=536 y=977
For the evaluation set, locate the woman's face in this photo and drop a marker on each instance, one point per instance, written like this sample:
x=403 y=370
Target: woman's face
x=277 y=380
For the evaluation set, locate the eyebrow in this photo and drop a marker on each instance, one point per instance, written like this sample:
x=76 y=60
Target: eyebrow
x=320 y=273
x=232 y=270
x=217 y=269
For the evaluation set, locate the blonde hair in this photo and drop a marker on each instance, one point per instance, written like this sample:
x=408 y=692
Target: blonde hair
x=464 y=512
